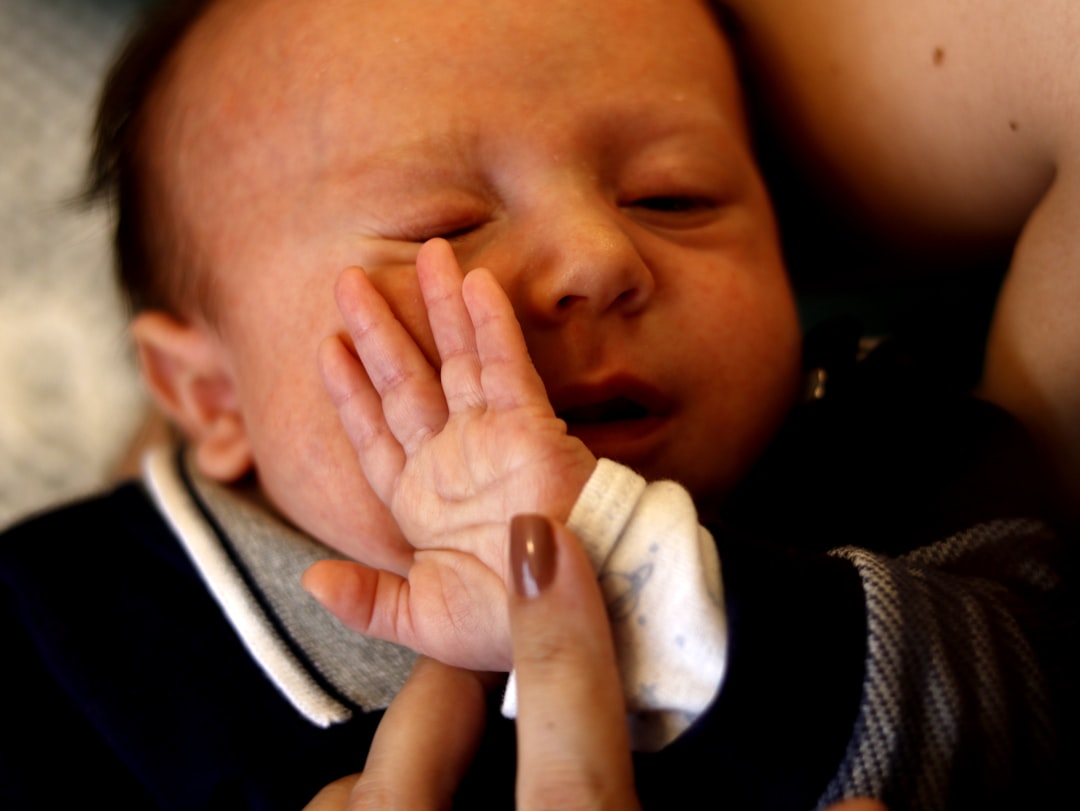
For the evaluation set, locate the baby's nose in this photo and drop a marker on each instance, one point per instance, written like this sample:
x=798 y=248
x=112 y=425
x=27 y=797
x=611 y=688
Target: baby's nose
x=585 y=266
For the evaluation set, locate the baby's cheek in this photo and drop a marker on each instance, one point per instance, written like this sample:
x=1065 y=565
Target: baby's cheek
x=324 y=494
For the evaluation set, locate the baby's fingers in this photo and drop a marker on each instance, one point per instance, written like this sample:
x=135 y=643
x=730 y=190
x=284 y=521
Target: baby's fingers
x=451 y=607
x=361 y=413
x=357 y=595
x=440 y=281
x=412 y=400
x=508 y=376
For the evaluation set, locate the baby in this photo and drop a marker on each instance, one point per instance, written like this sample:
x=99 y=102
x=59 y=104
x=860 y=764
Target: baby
x=572 y=292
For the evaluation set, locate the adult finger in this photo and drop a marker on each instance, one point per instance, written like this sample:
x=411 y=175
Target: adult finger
x=425 y=742
x=573 y=743
x=334 y=797
x=422 y=748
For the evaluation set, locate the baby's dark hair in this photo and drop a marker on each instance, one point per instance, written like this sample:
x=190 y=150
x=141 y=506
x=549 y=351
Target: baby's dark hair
x=116 y=173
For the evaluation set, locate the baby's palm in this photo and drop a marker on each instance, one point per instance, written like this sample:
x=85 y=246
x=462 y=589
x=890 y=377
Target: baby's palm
x=461 y=486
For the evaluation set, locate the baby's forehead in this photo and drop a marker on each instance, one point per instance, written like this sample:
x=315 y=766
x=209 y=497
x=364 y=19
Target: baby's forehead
x=263 y=90
x=268 y=47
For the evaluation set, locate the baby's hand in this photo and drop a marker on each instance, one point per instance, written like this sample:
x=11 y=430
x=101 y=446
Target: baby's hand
x=454 y=458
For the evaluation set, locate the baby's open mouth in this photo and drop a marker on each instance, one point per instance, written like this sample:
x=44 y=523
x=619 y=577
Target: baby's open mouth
x=619 y=409
x=620 y=427
x=623 y=419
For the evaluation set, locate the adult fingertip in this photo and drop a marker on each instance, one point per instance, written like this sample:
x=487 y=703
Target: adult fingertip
x=532 y=554
x=858 y=804
x=335 y=796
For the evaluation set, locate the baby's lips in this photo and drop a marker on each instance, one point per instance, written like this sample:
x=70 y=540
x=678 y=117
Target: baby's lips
x=614 y=399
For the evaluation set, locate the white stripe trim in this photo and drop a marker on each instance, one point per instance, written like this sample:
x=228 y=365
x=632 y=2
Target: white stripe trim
x=250 y=622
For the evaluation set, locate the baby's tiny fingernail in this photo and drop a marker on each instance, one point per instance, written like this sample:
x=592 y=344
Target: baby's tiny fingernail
x=532 y=554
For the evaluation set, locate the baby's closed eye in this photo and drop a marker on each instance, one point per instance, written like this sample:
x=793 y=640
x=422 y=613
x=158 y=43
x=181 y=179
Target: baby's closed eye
x=674 y=210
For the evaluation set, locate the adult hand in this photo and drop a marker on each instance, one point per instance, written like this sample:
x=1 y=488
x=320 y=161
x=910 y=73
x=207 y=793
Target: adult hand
x=573 y=744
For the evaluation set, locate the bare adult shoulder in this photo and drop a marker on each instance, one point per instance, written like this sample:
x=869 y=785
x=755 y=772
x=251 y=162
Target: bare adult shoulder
x=950 y=126
x=938 y=115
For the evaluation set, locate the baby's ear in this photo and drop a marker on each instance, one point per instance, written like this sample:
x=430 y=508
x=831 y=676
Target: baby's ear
x=185 y=371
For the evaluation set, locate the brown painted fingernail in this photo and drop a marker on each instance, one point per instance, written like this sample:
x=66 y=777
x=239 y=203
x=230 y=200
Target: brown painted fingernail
x=532 y=554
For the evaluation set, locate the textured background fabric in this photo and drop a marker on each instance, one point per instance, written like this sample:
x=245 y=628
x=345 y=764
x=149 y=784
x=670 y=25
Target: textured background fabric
x=69 y=402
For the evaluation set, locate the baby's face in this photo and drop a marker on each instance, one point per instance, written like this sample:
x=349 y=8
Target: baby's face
x=591 y=153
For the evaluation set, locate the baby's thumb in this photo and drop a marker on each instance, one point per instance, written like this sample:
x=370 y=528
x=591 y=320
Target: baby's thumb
x=573 y=744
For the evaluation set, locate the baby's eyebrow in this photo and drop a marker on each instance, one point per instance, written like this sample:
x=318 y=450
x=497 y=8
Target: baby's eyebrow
x=421 y=153
x=416 y=162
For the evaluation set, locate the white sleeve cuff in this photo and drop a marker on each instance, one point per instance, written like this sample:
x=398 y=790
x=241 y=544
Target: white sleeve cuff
x=660 y=574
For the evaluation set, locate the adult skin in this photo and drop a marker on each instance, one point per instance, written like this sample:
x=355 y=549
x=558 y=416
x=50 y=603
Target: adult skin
x=952 y=129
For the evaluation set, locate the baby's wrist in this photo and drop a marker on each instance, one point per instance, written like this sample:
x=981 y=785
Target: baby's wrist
x=604 y=506
x=574 y=484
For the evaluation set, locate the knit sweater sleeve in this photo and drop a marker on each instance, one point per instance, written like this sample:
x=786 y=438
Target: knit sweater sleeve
x=960 y=678
x=953 y=693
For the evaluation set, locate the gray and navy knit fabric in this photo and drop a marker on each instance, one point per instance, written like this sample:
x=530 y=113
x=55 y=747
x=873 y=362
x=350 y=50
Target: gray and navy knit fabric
x=945 y=649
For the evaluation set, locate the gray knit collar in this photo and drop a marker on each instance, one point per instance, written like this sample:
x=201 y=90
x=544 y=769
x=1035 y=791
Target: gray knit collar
x=251 y=562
